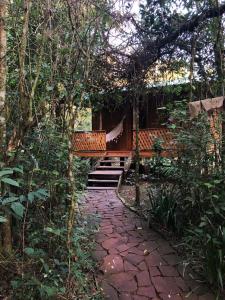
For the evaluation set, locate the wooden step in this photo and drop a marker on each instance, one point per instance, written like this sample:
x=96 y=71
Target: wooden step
x=102 y=182
x=101 y=188
x=112 y=162
x=110 y=168
x=105 y=174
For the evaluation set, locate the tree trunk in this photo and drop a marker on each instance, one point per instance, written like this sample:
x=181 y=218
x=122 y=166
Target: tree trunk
x=137 y=152
x=71 y=179
x=219 y=62
x=25 y=106
x=3 y=46
x=72 y=194
x=6 y=227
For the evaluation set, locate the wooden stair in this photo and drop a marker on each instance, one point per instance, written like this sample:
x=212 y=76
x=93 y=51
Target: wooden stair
x=110 y=168
x=107 y=175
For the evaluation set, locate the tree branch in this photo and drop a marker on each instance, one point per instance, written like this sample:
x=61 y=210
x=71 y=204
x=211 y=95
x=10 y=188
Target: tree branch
x=152 y=50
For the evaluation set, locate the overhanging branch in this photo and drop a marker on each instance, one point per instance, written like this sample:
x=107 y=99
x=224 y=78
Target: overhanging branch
x=152 y=50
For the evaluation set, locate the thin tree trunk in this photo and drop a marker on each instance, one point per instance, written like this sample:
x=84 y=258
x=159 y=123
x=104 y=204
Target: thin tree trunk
x=24 y=106
x=191 y=76
x=219 y=62
x=72 y=189
x=3 y=47
x=137 y=152
x=72 y=195
x=6 y=227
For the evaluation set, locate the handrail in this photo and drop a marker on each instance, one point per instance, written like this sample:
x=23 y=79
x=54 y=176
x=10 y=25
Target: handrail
x=88 y=131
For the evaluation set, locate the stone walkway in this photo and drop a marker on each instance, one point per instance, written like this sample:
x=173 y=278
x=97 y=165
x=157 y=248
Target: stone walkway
x=135 y=262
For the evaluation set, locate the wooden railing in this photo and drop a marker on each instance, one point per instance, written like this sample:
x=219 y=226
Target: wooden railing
x=96 y=140
x=147 y=138
x=89 y=141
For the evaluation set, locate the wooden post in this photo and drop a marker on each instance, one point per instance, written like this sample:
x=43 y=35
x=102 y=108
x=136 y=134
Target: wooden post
x=100 y=120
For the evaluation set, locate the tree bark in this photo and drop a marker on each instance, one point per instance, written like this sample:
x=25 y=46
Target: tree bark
x=24 y=106
x=6 y=227
x=3 y=47
x=71 y=179
x=137 y=152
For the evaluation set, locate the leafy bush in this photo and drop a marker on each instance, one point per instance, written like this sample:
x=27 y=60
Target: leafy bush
x=205 y=237
x=35 y=198
x=162 y=168
x=164 y=201
x=47 y=265
x=194 y=206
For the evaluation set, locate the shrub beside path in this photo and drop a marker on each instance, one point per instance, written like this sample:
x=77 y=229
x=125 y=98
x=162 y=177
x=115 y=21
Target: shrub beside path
x=135 y=262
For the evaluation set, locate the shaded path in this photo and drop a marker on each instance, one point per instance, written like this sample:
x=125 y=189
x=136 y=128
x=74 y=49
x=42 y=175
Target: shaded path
x=135 y=262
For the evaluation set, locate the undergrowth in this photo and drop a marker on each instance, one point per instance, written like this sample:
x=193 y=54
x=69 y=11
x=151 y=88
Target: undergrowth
x=36 y=200
x=188 y=198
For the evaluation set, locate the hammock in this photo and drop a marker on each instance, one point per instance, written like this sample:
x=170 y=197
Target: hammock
x=116 y=132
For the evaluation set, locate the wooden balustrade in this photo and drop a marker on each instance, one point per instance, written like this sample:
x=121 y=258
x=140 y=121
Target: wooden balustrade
x=89 y=141
x=95 y=141
x=147 y=138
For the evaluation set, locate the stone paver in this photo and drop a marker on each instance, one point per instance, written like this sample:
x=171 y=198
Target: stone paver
x=134 y=261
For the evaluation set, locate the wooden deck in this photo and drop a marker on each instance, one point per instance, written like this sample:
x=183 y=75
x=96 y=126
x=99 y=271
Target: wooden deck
x=93 y=144
x=143 y=153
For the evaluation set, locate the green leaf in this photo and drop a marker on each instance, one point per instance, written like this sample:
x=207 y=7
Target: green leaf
x=22 y=198
x=10 y=181
x=29 y=251
x=9 y=200
x=43 y=192
x=18 y=209
x=31 y=196
x=3 y=219
x=49 y=88
x=15 y=284
x=19 y=170
x=51 y=291
x=53 y=230
x=6 y=172
x=62 y=290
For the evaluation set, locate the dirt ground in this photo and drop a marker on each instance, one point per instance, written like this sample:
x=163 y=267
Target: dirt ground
x=128 y=194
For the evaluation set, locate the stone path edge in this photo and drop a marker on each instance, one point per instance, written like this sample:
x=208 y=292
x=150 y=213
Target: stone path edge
x=132 y=208
x=128 y=252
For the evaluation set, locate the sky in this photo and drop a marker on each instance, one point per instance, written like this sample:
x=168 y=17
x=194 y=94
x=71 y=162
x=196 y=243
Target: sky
x=118 y=37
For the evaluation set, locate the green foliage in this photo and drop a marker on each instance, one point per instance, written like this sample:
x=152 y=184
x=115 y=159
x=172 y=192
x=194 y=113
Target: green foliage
x=15 y=200
x=37 y=195
x=205 y=234
x=157 y=146
x=163 y=168
x=60 y=48
x=164 y=201
x=52 y=264
x=193 y=207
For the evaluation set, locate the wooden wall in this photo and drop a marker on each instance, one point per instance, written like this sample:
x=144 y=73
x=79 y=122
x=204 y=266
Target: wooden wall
x=110 y=120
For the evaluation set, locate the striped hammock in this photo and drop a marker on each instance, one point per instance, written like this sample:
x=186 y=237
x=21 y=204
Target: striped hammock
x=116 y=132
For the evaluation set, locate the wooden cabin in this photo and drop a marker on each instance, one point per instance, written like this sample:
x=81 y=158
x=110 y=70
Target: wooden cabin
x=114 y=129
x=114 y=134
